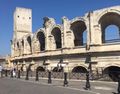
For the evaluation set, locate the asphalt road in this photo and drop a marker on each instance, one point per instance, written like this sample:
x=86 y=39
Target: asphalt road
x=21 y=86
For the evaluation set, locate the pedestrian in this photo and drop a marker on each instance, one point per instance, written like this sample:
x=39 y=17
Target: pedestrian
x=14 y=73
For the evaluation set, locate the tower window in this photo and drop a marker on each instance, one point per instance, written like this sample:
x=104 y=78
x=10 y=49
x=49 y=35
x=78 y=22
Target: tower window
x=18 y=16
x=29 y=17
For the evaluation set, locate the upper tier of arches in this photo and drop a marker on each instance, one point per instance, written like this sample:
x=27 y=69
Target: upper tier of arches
x=79 y=32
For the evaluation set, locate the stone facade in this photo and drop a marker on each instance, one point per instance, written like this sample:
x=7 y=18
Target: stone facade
x=4 y=63
x=63 y=44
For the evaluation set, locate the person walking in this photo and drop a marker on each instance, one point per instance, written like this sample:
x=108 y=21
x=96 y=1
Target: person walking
x=14 y=73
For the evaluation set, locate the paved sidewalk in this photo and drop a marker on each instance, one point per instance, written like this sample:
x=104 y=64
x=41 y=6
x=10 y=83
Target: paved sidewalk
x=97 y=87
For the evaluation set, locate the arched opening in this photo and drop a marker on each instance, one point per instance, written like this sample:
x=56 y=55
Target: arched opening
x=112 y=34
x=113 y=72
x=56 y=32
x=79 y=31
x=57 y=69
x=30 y=43
x=23 y=70
x=41 y=69
x=29 y=67
x=22 y=50
x=110 y=24
x=84 y=37
x=22 y=43
x=79 y=69
x=18 y=46
x=30 y=71
x=41 y=38
x=22 y=67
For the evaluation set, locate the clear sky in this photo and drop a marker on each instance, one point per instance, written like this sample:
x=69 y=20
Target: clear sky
x=41 y=8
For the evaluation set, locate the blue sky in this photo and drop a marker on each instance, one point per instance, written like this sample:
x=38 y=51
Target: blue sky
x=41 y=8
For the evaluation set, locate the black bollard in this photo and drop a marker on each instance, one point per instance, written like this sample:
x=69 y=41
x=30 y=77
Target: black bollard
x=18 y=73
x=1 y=73
x=118 y=85
x=87 y=87
x=11 y=72
x=6 y=73
x=65 y=79
x=27 y=75
x=37 y=79
x=49 y=77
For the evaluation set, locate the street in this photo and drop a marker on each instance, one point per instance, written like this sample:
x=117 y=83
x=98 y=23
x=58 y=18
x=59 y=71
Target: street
x=21 y=86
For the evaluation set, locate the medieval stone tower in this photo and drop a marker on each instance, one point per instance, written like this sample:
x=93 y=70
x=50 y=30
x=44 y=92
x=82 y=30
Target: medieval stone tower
x=22 y=27
x=22 y=22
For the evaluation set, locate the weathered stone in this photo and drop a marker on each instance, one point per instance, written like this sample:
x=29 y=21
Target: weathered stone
x=58 y=43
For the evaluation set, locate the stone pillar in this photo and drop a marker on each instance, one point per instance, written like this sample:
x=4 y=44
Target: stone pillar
x=68 y=41
x=94 y=29
x=48 y=25
x=88 y=25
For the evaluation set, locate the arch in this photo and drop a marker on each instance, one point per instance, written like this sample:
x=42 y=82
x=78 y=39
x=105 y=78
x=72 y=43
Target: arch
x=29 y=43
x=112 y=71
x=56 y=69
x=23 y=67
x=41 y=38
x=29 y=67
x=110 y=18
x=22 y=42
x=56 y=32
x=79 y=69
x=18 y=45
x=18 y=48
x=78 y=27
x=22 y=46
x=40 y=68
x=107 y=11
x=112 y=33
